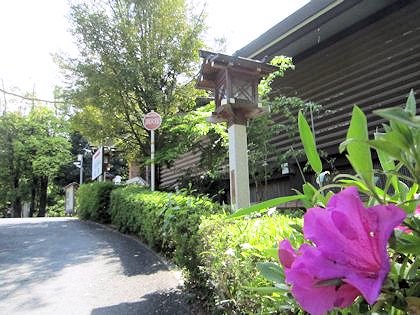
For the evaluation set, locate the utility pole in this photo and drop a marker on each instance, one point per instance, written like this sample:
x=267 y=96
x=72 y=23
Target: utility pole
x=80 y=159
x=4 y=97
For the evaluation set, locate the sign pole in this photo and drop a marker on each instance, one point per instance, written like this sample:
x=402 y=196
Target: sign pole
x=152 y=165
x=151 y=122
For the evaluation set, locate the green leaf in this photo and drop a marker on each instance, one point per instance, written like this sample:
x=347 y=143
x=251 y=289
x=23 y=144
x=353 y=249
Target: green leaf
x=271 y=252
x=359 y=151
x=260 y=207
x=412 y=272
x=387 y=163
x=328 y=283
x=399 y=115
x=309 y=144
x=271 y=271
x=267 y=290
x=408 y=243
x=296 y=227
x=387 y=147
x=410 y=105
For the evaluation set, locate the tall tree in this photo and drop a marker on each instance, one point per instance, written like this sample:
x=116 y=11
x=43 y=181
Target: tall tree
x=50 y=148
x=135 y=56
x=33 y=148
x=12 y=160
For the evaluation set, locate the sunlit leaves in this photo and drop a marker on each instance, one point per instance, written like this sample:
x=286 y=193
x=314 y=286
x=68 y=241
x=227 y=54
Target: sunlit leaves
x=358 y=150
x=309 y=144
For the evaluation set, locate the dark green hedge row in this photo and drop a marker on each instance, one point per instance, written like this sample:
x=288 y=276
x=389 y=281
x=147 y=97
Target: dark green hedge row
x=218 y=256
x=93 y=201
x=168 y=222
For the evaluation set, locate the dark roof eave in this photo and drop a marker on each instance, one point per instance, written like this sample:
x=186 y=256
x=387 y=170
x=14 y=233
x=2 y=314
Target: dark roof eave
x=292 y=35
x=295 y=20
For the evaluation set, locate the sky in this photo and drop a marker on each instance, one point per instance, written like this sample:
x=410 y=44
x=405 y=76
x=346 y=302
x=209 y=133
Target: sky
x=32 y=31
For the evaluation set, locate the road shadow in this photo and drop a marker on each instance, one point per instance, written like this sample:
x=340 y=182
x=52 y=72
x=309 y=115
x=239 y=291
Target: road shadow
x=135 y=258
x=162 y=303
x=33 y=251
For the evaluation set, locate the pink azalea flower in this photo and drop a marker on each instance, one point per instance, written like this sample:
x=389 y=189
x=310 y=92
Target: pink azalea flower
x=305 y=270
x=350 y=250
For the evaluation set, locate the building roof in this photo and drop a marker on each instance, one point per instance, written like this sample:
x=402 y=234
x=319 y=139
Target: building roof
x=214 y=62
x=312 y=25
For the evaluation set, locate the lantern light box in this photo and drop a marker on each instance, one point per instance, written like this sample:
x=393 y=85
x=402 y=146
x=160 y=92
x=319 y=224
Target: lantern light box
x=234 y=82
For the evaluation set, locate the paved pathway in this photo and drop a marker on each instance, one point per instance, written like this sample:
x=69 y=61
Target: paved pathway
x=65 y=266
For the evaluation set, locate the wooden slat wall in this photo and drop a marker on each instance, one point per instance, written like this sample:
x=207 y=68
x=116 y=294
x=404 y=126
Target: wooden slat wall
x=373 y=67
x=185 y=163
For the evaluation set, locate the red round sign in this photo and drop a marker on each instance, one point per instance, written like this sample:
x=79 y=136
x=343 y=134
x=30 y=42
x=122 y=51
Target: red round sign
x=152 y=121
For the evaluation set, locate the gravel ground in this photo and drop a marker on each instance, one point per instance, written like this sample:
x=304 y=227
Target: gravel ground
x=67 y=266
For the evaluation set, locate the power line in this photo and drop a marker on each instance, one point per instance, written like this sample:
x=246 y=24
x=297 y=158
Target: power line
x=31 y=98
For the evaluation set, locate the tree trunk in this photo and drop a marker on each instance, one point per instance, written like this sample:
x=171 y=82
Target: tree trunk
x=17 y=202
x=33 y=197
x=17 y=208
x=43 y=185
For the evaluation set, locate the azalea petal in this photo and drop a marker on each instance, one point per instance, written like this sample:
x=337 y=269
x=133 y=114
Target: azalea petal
x=287 y=254
x=346 y=295
x=309 y=267
x=317 y=301
x=354 y=238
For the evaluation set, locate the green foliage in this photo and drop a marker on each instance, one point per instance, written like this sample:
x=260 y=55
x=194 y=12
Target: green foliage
x=167 y=222
x=47 y=142
x=184 y=132
x=264 y=158
x=218 y=256
x=309 y=144
x=263 y=206
x=135 y=56
x=58 y=209
x=236 y=254
x=397 y=147
x=93 y=201
x=283 y=63
x=358 y=151
x=33 y=149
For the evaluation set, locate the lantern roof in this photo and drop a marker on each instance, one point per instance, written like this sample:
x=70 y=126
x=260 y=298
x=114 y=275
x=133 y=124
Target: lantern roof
x=213 y=63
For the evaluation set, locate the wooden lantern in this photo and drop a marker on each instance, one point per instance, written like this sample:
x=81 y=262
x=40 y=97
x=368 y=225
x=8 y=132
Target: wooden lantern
x=234 y=82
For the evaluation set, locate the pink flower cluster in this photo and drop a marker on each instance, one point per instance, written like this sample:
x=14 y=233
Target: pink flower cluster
x=349 y=256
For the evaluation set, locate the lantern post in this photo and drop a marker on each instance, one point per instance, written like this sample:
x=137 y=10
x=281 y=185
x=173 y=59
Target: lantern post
x=234 y=84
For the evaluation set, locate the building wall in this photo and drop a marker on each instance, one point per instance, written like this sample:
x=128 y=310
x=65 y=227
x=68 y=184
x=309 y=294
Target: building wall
x=373 y=64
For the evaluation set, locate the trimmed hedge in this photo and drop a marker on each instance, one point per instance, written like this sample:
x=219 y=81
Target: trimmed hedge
x=168 y=222
x=219 y=257
x=93 y=201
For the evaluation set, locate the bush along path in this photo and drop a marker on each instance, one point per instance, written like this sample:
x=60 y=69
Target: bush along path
x=219 y=258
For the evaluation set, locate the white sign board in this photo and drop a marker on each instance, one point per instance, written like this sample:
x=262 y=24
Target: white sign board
x=97 y=163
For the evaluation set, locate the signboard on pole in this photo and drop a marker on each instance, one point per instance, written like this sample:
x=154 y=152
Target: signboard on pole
x=152 y=121
x=97 y=163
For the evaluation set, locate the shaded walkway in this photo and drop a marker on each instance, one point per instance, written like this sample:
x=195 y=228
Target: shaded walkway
x=65 y=266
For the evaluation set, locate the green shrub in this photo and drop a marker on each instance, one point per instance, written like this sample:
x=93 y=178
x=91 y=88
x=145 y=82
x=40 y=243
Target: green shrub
x=93 y=201
x=58 y=209
x=168 y=222
x=230 y=253
x=218 y=256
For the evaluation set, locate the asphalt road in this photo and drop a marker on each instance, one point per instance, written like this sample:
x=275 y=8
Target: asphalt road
x=66 y=266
